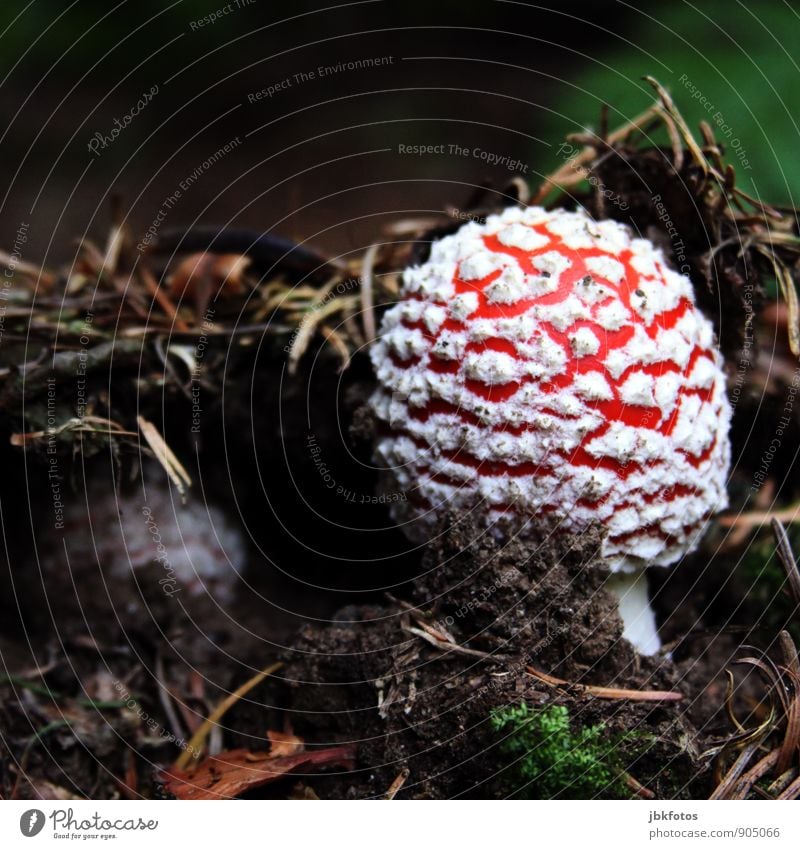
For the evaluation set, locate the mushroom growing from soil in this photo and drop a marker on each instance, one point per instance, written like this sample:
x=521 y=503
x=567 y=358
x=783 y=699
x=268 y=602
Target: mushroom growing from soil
x=547 y=365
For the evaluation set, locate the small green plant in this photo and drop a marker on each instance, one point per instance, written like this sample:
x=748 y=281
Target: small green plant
x=548 y=759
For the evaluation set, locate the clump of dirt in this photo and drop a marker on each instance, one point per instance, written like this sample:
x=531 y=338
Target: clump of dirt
x=414 y=682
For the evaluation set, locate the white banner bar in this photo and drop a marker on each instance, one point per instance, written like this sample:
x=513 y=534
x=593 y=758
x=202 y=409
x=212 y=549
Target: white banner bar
x=400 y=825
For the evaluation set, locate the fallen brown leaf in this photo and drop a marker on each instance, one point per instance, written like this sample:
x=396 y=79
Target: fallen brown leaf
x=203 y=276
x=232 y=773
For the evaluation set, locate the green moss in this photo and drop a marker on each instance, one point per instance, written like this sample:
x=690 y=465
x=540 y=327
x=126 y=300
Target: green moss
x=548 y=759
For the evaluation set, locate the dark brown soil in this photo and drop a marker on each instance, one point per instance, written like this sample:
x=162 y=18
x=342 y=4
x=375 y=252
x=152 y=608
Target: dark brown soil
x=371 y=677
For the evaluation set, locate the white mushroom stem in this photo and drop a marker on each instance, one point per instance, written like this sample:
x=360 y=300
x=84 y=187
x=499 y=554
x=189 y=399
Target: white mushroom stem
x=638 y=619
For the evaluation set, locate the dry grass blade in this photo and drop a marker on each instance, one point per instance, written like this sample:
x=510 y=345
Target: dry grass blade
x=396 y=786
x=789 y=292
x=16 y=266
x=770 y=673
x=159 y=295
x=745 y=784
x=195 y=745
x=574 y=171
x=790 y=747
x=367 y=300
x=679 y=121
x=441 y=642
x=116 y=237
x=790 y=656
x=791 y=741
x=783 y=688
x=172 y=465
x=87 y=424
x=335 y=339
x=165 y=696
x=792 y=791
x=729 y=704
x=757 y=518
x=309 y=323
x=674 y=140
x=786 y=556
x=729 y=781
x=742 y=732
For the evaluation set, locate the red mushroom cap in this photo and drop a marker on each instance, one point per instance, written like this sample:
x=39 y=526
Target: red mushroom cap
x=546 y=364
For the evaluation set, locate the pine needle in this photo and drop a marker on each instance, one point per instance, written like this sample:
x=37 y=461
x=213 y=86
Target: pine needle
x=607 y=692
x=172 y=465
x=195 y=745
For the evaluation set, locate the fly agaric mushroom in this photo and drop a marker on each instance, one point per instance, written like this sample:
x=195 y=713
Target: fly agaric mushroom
x=544 y=364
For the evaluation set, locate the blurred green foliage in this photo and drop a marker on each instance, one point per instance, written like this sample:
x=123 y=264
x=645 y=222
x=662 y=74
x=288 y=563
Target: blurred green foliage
x=739 y=57
x=730 y=63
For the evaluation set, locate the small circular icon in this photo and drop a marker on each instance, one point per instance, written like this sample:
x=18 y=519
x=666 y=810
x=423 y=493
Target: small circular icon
x=31 y=822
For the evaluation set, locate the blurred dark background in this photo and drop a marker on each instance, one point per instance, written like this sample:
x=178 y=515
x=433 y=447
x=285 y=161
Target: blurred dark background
x=319 y=158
